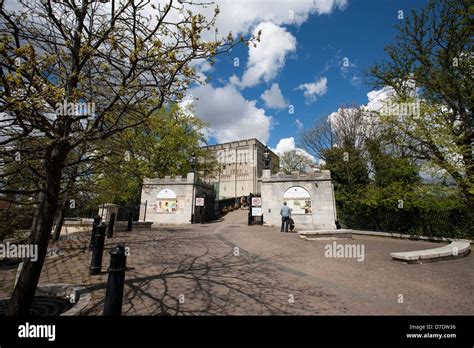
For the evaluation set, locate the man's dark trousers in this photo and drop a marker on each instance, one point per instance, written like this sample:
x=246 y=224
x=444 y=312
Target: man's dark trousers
x=285 y=221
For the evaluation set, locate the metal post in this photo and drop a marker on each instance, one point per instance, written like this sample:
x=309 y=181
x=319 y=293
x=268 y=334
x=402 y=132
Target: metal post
x=130 y=221
x=96 y=222
x=144 y=214
x=110 y=230
x=192 y=205
x=250 y=209
x=115 y=281
x=97 y=250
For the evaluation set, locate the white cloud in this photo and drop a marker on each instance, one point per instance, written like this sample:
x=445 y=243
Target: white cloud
x=269 y=56
x=284 y=145
x=314 y=89
x=240 y=17
x=229 y=115
x=273 y=97
x=288 y=144
x=377 y=98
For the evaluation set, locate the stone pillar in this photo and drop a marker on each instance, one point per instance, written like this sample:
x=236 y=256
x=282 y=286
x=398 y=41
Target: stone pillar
x=191 y=177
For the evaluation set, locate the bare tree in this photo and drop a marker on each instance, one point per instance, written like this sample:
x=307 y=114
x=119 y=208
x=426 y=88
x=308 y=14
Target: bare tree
x=432 y=53
x=348 y=127
x=74 y=74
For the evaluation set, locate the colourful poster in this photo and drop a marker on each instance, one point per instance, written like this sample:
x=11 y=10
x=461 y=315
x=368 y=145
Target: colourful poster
x=166 y=206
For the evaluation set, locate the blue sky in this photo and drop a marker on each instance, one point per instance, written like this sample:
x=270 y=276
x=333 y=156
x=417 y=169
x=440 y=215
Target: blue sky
x=313 y=50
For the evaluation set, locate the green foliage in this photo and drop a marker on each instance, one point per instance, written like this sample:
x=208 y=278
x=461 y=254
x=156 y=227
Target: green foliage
x=348 y=170
x=14 y=220
x=432 y=59
x=429 y=66
x=394 y=198
x=389 y=169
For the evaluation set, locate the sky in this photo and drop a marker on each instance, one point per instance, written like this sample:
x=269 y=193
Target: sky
x=312 y=60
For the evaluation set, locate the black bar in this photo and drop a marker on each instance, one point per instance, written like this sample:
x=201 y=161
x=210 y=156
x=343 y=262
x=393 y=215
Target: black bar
x=261 y=330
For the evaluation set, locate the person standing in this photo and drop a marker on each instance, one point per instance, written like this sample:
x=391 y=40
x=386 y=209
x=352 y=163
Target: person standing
x=285 y=213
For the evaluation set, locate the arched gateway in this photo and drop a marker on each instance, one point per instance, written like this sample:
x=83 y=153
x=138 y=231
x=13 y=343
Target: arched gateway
x=310 y=196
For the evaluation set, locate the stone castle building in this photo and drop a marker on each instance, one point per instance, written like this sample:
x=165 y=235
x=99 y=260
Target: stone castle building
x=240 y=165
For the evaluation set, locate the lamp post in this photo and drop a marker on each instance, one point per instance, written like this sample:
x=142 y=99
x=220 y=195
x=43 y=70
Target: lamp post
x=266 y=158
x=192 y=162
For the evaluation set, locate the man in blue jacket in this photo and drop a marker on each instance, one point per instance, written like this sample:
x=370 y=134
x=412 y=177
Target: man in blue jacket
x=285 y=213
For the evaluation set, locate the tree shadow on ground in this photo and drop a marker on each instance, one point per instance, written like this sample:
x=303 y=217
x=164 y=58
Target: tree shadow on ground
x=210 y=283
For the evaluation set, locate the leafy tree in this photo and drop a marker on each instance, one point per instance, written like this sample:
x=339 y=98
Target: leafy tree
x=124 y=66
x=432 y=59
x=349 y=171
x=388 y=168
x=294 y=160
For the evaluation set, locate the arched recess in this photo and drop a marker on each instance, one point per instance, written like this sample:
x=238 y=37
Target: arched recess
x=165 y=202
x=298 y=199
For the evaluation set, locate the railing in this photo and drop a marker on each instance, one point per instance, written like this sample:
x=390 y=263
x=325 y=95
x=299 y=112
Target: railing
x=454 y=223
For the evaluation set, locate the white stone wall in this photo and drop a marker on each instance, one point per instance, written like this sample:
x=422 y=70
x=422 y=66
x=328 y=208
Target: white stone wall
x=320 y=189
x=182 y=187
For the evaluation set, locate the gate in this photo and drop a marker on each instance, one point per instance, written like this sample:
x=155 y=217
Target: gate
x=204 y=208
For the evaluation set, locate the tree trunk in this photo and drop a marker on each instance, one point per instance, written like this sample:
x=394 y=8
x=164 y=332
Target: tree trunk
x=60 y=221
x=25 y=289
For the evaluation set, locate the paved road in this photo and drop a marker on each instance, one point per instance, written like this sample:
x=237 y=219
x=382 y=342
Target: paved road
x=228 y=267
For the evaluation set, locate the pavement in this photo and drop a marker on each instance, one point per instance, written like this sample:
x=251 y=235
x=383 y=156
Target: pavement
x=229 y=268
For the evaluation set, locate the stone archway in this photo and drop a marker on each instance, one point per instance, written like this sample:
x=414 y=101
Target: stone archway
x=299 y=200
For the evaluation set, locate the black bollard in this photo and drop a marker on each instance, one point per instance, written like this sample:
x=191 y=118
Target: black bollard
x=96 y=222
x=115 y=282
x=130 y=220
x=97 y=250
x=110 y=230
x=250 y=210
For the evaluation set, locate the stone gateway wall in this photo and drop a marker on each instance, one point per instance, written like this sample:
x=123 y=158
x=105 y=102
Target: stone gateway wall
x=169 y=201
x=310 y=196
